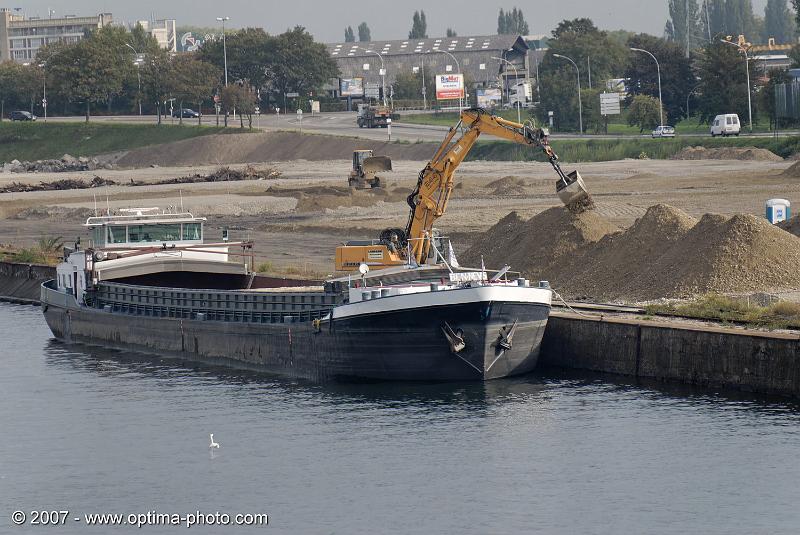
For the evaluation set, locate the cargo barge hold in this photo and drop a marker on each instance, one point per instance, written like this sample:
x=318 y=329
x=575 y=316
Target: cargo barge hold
x=150 y=283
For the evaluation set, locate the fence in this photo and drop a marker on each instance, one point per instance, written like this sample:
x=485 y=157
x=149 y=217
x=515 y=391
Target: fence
x=787 y=100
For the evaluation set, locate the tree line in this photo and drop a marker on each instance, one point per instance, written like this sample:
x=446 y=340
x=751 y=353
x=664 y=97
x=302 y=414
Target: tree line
x=117 y=70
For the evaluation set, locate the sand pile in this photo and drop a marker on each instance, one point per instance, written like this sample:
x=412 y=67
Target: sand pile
x=727 y=153
x=665 y=253
x=508 y=185
x=324 y=198
x=541 y=245
x=793 y=171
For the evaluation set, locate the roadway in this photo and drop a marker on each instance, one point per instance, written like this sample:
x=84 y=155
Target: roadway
x=344 y=124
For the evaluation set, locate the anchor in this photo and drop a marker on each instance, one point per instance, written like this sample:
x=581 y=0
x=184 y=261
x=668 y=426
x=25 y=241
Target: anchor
x=455 y=339
x=506 y=336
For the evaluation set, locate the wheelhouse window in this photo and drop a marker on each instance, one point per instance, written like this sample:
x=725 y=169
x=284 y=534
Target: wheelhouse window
x=154 y=233
x=117 y=234
x=192 y=231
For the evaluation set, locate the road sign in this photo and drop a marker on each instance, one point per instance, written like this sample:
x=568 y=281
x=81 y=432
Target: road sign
x=216 y=99
x=609 y=104
x=292 y=95
x=372 y=90
x=299 y=112
x=44 y=102
x=258 y=110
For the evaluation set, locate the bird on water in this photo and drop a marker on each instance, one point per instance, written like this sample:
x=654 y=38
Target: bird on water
x=213 y=444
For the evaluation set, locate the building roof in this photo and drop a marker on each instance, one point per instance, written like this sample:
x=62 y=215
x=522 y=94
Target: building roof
x=472 y=43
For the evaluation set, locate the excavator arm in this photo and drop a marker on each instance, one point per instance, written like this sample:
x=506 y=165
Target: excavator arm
x=429 y=199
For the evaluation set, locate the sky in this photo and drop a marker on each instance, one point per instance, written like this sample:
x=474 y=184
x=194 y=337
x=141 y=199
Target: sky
x=387 y=19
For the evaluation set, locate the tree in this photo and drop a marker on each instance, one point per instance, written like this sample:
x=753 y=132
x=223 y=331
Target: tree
x=778 y=22
x=408 y=85
x=644 y=112
x=20 y=86
x=512 y=22
x=349 y=36
x=739 y=18
x=298 y=63
x=451 y=33
x=714 y=18
x=249 y=50
x=419 y=26
x=796 y=5
x=192 y=80
x=364 y=34
x=683 y=26
x=577 y=39
x=240 y=98
x=155 y=79
x=722 y=78
x=676 y=72
x=90 y=71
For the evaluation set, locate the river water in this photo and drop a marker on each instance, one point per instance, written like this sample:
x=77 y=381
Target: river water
x=87 y=430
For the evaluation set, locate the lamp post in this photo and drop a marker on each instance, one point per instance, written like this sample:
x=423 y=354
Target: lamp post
x=743 y=49
x=580 y=105
x=224 y=48
x=137 y=62
x=43 y=65
x=382 y=73
x=658 y=70
x=458 y=68
x=516 y=77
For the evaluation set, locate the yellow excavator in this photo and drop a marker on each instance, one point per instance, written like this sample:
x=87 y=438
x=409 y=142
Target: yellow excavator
x=428 y=201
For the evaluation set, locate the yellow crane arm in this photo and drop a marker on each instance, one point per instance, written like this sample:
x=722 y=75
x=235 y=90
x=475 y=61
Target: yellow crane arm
x=429 y=199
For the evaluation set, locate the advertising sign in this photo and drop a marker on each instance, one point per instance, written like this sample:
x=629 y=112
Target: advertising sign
x=351 y=87
x=449 y=86
x=489 y=98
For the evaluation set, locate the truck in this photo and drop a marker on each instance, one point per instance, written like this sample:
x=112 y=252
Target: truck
x=374 y=116
x=520 y=94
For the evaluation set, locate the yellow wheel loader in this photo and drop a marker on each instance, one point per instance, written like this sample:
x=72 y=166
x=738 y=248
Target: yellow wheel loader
x=365 y=169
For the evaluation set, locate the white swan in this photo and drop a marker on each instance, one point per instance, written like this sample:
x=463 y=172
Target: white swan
x=213 y=444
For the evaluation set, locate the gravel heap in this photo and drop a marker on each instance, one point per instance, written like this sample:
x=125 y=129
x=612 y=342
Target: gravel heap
x=793 y=171
x=727 y=153
x=665 y=253
x=65 y=163
x=791 y=225
x=508 y=185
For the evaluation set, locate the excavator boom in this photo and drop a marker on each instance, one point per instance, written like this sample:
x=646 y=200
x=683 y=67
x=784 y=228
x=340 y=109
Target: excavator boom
x=428 y=201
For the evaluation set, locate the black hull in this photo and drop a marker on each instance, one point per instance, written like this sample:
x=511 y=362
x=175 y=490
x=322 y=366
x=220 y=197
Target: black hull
x=397 y=345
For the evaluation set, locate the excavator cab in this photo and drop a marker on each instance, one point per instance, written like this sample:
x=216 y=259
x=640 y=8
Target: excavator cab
x=365 y=170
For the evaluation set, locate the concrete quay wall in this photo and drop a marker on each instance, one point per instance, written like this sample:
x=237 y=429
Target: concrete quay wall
x=748 y=360
x=20 y=283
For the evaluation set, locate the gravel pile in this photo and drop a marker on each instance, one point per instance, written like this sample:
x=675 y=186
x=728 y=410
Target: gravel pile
x=793 y=171
x=64 y=164
x=665 y=253
x=791 y=225
x=727 y=153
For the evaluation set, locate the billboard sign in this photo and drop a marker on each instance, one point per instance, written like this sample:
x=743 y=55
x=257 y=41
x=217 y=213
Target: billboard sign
x=449 y=86
x=489 y=98
x=351 y=87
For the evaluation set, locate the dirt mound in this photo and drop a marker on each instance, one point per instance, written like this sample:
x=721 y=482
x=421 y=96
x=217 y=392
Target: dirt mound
x=60 y=213
x=665 y=253
x=541 y=245
x=322 y=198
x=262 y=147
x=793 y=171
x=727 y=153
x=508 y=185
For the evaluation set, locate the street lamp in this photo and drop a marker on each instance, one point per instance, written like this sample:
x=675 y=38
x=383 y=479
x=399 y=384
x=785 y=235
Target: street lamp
x=458 y=68
x=516 y=77
x=580 y=105
x=658 y=69
x=743 y=49
x=137 y=62
x=224 y=49
x=382 y=73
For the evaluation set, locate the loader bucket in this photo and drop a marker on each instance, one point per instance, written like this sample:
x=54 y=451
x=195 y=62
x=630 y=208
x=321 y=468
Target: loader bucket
x=376 y=164
x=573 y=192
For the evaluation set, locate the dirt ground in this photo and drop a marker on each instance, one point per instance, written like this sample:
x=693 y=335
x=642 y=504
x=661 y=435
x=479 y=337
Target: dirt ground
x=298 y=219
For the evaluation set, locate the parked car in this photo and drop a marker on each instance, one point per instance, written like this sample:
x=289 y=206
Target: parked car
x=726 y=125
x=20 y=115
x=663 y=131
x=187 y=112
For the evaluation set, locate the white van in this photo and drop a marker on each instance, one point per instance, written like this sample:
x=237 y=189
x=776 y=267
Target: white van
x=726 y=125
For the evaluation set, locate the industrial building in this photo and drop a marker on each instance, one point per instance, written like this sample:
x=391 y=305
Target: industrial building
x=163 y=31
x=474 y=56
x=21 y=37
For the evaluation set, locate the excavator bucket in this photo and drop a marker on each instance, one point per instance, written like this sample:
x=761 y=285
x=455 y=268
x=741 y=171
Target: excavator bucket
x=572 y=191
x=376 y=164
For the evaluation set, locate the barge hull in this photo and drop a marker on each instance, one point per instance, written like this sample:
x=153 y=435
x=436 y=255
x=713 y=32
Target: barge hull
x=399 y=345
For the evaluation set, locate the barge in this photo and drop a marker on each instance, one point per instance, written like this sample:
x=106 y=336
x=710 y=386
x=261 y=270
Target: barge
x=148 y=281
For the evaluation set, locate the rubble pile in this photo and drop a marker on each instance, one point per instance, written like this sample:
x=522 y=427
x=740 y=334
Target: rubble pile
x=64 y=164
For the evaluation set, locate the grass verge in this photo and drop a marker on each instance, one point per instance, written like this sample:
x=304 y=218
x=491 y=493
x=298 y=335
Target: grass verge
x=37 y=141
x=780 y=315
x=602 y=150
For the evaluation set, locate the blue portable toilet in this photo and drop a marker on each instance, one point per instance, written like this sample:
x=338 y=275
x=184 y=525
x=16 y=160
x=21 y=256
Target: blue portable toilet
x=778 y=210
